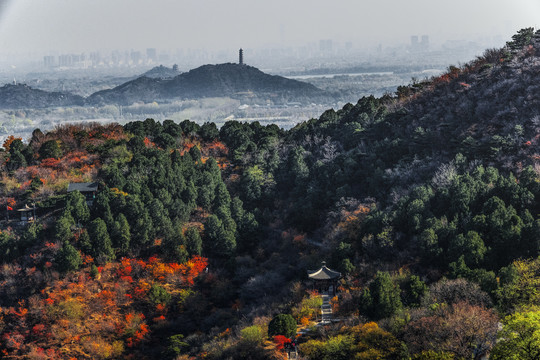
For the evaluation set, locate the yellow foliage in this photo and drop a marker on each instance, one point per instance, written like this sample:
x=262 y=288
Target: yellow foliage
x=308 y=308
x=353 y=220
x=9 y=184
x=119 y=192
x=100 y=348
x=334 y=302
x=370 y=326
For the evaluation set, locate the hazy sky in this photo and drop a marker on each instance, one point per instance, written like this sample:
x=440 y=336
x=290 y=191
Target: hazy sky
x=42 y=26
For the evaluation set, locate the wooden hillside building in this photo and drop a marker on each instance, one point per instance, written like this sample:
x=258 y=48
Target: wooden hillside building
x=89 y=190
x=324 y=279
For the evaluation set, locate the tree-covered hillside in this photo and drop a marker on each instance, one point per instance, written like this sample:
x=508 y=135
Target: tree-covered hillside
x=198 y=239
x=15 y=96
x=221 y=80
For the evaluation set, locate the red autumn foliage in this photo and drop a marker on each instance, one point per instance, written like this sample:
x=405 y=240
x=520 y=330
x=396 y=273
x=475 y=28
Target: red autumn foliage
x=280 y=341
x=218 y=145
x=124 y=268
x=38 y=329
x=51 y=163
x=187 y=147
x=13 y=341
x=128 y=279
x=159 y=318
x=26 y=184
x=193 y=268
x=107 y=308
x=138 y=336
x=21 y=312
x=148 y=143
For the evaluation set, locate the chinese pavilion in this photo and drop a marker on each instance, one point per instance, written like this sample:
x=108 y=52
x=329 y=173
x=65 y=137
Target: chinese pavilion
x=324 y=279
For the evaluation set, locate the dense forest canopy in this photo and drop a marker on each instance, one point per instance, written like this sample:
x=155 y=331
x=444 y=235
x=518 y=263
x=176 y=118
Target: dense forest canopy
x=197 y=241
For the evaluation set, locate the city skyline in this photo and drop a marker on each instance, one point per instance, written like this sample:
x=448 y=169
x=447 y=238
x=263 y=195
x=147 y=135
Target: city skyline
x=62 y=26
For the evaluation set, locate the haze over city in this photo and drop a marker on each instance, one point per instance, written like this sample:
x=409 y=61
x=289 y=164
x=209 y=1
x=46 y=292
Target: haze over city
x=348 y=49
x=38 y=28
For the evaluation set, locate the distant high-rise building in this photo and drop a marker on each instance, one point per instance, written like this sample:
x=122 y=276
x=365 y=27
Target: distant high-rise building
x=151 y=54
x=95 y=58
x=422 y=45
x=241 y=56
x=65 y=60
x=49 y=61
x=425 y=42
x=116 y=57
x=135 y=57
x=326 y=46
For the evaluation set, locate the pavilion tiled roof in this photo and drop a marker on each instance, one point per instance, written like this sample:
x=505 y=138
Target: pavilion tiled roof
x=83 y=187
x=324 y=273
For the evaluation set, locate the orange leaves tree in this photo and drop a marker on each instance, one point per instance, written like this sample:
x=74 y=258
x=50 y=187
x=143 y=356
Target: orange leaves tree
x=89 y=317
x=308 y=308
x=8 y=141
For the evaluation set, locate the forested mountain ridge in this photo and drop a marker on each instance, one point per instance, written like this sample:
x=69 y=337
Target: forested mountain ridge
x=143 y=89
x=232 y=80
x=427 y=202
x=13 y=95
x=213 y=80
x=164 y=84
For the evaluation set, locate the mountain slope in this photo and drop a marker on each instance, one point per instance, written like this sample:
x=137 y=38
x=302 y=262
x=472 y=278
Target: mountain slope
x=23 y=96
x=488 y=110
x=161 y=72
x=217 y=80
x=222 y=80
x=141 y=89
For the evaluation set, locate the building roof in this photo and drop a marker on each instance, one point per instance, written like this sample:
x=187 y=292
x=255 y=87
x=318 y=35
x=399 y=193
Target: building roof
x=83 y=187
x=324 y=273
x=26 y=208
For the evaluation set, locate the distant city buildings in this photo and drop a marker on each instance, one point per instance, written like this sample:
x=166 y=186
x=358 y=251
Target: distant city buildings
x=135 y=57
x=418 y=46
x=425 y=41
x=95 y=58
x=115 y=59
x=151 y=55
x=49 y=61
x=68 y=61
x=414 y=41
x=321 y=53
x=326 y=46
